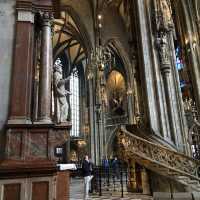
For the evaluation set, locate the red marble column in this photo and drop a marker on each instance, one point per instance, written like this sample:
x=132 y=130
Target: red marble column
x=46 y=66
x=21 y=86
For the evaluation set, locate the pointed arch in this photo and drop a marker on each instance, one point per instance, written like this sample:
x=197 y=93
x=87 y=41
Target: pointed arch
x=123 y=55
x=82 y=29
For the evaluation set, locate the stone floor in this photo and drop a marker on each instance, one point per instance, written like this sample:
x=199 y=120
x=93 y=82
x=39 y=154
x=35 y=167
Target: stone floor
x=76 y=193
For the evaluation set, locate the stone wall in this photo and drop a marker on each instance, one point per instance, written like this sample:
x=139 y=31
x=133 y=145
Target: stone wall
x=7 y=24
x=160 y=183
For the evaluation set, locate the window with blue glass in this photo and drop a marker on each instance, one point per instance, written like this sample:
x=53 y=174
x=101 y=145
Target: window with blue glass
x=179 y=61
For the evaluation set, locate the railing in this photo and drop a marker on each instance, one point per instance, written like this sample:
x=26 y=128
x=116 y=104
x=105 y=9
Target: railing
x=108 y=179
x=132 y=146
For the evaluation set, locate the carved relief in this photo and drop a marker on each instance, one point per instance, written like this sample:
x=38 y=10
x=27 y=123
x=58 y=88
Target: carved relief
x=15 y=145
x=38 y=144
x=164 y=25
x=133 y=146
x=163 y=49
x=164 y=19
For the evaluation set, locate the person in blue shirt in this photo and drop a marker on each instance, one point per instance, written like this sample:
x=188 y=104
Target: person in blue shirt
x=106 y=168
x=115 y=168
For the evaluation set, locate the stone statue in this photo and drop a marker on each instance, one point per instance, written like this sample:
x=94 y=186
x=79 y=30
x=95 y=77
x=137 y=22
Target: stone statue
x=163 y=49
x=61 y=103
x=167 y=21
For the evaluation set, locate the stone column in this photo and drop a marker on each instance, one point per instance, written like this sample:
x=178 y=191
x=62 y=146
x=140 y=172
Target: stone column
x=46 y=65
x=135 y=94
x=193 y=57
x=145 y=182
x=92 y=117
x=165 y=67
x=146 y=65
x=130 y=105
x=100 y=116
x=132 y=176
x=182 y=129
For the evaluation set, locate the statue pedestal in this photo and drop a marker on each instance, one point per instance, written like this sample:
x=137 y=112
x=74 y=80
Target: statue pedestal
x=35 y=141
x=33 y=180
x=29 y=170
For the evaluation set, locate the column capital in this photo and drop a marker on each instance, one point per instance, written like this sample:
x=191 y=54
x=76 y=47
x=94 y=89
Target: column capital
x=46 y=18
x=25 y=16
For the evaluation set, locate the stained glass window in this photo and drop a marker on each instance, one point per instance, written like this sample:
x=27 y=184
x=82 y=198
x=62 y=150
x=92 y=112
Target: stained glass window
x=179 y=61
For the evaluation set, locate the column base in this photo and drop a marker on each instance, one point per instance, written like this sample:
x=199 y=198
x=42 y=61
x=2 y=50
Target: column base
x=43 y=121
x=19 y=121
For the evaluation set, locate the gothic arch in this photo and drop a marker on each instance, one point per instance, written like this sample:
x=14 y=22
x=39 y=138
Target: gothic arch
x=123 y=55
x=109 y=143
x=82 y=29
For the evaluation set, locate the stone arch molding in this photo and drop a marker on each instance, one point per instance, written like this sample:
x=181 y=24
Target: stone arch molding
x=124 y=56
x=110 y=140
x=119 y=49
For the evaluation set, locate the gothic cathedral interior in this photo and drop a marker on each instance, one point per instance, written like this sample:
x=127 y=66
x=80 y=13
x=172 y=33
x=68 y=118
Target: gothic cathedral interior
x=111 y=79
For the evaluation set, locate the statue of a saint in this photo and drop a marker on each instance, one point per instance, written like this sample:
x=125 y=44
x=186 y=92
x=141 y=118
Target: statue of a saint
x=61 y=103
x=164 y=54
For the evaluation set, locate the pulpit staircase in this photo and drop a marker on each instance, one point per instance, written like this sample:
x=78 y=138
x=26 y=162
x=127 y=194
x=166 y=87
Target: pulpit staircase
x=160 y=159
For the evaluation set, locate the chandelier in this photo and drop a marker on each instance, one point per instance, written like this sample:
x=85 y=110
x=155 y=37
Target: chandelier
x=100 y=56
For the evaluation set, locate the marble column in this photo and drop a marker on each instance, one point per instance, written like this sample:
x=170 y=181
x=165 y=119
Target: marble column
x=21 y=85
x=46 y=65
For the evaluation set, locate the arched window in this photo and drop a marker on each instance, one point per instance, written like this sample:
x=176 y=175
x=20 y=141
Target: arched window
x=74 y=103
x=183 y=74
x=69 y=47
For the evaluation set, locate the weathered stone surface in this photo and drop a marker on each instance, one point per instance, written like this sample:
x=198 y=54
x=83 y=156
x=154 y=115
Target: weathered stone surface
x=7 y=24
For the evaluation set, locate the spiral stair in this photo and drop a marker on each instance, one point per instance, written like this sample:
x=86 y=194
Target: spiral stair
x=159 y=158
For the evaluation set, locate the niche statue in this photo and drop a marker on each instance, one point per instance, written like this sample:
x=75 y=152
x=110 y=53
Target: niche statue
x=61 y=103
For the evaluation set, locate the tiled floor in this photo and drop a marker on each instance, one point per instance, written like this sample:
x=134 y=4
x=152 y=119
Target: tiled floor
x=76 y=193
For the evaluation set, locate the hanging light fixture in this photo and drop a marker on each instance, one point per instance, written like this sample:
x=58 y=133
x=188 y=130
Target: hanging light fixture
x=100 y=56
